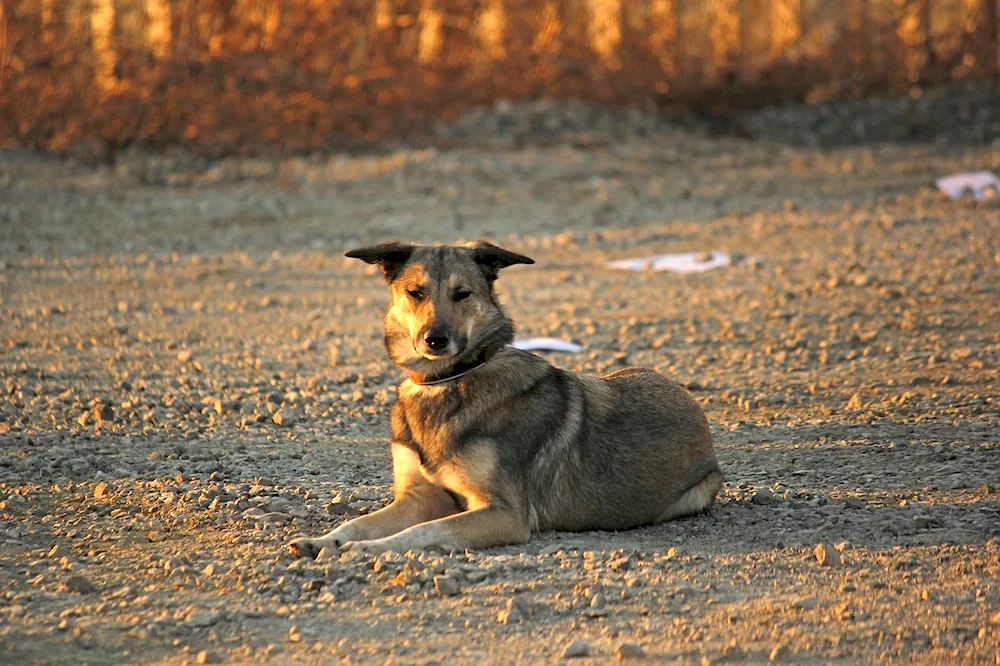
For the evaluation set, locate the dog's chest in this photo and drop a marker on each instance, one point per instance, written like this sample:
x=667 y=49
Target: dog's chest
x=429 y=420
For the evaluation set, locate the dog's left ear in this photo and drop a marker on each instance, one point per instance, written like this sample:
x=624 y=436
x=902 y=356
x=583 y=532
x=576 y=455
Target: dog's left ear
x=390 y=256
x=492 y=258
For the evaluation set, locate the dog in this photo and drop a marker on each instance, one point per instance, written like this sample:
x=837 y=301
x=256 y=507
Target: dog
x=491 y=444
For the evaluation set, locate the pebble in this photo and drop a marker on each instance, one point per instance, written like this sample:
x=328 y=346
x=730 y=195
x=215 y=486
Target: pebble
x=184 y=355
x=294 y=636
x=285 y=417
x=513 y=613
x=14 y=502
x=826 y=555
x=100 y=490
x=338 y=508
x=630 y=651
x=80 y=585
x=175 y=564
x=577 y=648
x=203 y=617
x=212 y=569
x=446 y=586
x=995 y=619
x=779 y=653
x=510 y=616
x=208 y=657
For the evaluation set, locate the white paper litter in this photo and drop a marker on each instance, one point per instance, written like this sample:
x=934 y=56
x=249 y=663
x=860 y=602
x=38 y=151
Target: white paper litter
x=547 y=344
x=979 y=185
x=685 y=262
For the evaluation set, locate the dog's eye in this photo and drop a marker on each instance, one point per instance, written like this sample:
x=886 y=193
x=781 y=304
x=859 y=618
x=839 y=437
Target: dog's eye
x=415 y=294
x=461 y=295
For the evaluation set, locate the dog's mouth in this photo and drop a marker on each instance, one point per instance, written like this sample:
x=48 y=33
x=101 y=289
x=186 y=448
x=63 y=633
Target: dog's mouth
x=449 y=352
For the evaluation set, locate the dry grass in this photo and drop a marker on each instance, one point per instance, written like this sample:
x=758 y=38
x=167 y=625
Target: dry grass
x=246 y=75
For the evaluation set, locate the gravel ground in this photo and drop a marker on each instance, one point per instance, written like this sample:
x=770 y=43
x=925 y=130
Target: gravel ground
x=192 y=374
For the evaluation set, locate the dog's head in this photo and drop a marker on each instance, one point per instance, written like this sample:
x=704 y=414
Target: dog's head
x=443 y=311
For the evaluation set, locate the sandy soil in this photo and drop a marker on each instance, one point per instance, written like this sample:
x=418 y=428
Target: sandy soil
x=191 y=374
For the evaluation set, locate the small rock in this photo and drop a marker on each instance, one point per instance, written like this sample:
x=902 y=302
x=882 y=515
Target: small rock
x=630 y=651
x=513 y=614
x=184 y=355
x=294 y=636
x=57 y=551
x=203 y=618
x=212 y=569
x=995 y=619
x=826 y=555
x=314 y=585
x=762 y=496
x=175 y=564
x=578 y=648
x=285 y=417
x=780 y=653
x=101 y=490
x=339 y=508
x=104 y=413
x=208 y=657
x=446 y=586
x=80 y=585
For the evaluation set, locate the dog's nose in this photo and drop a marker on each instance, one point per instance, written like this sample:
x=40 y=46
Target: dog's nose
x=436 y=339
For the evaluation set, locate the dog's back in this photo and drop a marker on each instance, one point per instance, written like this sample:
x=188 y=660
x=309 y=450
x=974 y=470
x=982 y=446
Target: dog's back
x=619 y=451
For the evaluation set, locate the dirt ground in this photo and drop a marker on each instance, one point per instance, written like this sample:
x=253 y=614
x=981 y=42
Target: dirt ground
x=192 y=374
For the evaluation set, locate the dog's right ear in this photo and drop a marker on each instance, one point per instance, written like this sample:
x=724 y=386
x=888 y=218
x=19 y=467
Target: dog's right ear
x=390 y=256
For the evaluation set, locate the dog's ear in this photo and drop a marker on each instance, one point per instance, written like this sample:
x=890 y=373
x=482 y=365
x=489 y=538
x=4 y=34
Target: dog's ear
x=492 y=258
x=390 y=256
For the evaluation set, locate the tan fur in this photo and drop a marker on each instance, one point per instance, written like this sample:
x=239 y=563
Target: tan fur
x=506 y=444
x=469 y=476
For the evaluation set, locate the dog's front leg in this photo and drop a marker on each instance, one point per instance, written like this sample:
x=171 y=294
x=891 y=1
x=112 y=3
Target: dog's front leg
x=418 y=505
x=488 y=526
x=416 y=501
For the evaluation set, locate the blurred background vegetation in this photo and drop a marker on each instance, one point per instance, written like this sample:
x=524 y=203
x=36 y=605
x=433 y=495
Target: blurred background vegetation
x=225 y=76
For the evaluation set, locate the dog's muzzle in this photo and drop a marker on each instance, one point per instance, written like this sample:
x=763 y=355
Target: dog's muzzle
x=437 y=342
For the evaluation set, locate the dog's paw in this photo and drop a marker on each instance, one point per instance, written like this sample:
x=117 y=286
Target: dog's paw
x=305 y=547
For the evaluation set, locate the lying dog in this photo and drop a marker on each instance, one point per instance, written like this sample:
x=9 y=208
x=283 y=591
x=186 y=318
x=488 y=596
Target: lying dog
x=490 y=443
